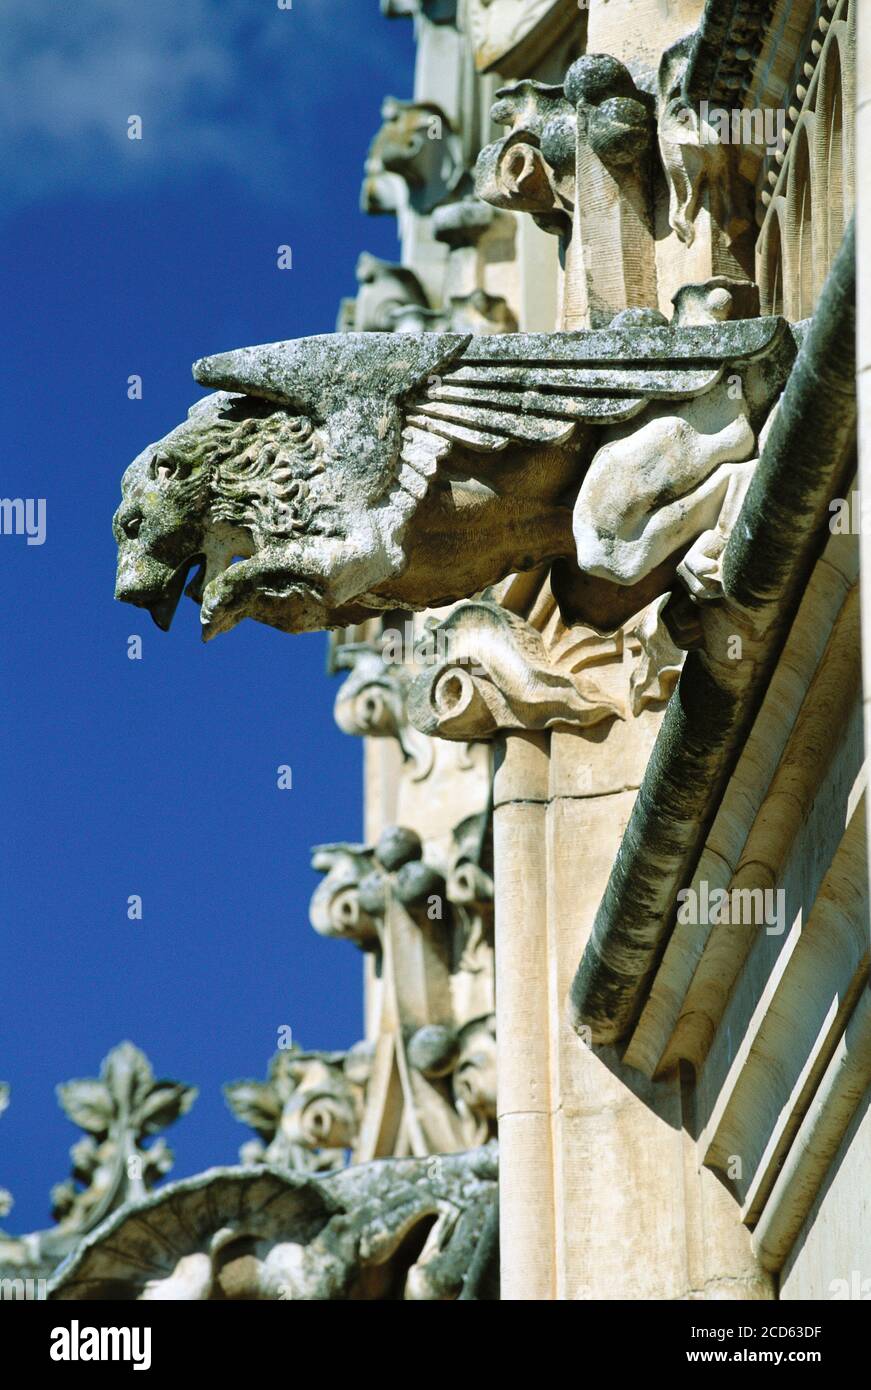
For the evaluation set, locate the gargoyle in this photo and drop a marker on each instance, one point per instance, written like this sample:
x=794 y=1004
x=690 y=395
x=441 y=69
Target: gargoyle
x=417 y=146
x=351 y=473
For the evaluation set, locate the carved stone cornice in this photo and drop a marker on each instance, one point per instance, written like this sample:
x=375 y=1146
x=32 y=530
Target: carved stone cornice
x=577 y=157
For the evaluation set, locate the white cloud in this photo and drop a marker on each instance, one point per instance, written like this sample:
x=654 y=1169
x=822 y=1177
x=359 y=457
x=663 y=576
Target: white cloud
x=218 y=84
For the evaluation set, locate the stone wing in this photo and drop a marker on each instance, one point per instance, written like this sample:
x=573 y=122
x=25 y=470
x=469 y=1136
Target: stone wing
x=535 y=388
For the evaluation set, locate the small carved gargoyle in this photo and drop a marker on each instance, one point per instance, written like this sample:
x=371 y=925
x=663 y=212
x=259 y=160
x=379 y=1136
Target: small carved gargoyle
x=330 y=478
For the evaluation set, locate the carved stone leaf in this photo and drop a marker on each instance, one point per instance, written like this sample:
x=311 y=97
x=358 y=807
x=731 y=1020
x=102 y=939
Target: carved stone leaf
x=168 y=1101
x=255 y=1104
x=127 y=1072
x=88 y=1103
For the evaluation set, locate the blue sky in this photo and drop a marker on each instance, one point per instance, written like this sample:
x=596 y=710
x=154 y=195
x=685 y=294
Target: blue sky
x=158 y=777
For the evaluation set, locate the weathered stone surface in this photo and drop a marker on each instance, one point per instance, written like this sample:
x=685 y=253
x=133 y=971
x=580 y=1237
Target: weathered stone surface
x=512 y=36
x=577 y=157
x=339 y=473
x=418 y=150
x=495 y=671
x=385 y=292
x=307 y=1112
x=261 y=1233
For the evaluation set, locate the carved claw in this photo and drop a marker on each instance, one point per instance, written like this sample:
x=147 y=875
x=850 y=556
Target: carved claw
x=699 y=570
x=223 y=600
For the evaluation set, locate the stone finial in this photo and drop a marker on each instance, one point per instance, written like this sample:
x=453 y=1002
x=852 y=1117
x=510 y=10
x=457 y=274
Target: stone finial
x=118 y=1111
x=577 y=157
x=428 y=910
x=306 y=1113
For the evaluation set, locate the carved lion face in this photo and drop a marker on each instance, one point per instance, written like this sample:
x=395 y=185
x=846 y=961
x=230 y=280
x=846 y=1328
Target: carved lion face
x=228 y=481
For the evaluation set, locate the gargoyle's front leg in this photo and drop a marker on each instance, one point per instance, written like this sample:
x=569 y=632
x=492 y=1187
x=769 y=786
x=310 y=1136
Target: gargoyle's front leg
x=306 y=584
x=234 y=594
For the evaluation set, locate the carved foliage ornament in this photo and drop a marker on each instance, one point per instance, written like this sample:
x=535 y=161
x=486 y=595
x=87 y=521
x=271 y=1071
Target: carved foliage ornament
x=306 y=1112
x=119 y=1111
x=496 y=673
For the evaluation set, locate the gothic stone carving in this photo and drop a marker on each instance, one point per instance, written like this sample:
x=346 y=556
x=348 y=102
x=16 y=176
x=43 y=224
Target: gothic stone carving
x=111 y=1166
x=426 y=911
x=512 y=36
x=389 y=1230
x=416 y=150
x=362 y=472
x=497 y=673
x=436 y=11
x=385 y=292
x=118 y=1111
x=306 y=1113
x=700 y=168
x=577 y=157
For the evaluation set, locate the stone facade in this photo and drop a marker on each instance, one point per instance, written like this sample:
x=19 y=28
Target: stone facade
x=567 y=487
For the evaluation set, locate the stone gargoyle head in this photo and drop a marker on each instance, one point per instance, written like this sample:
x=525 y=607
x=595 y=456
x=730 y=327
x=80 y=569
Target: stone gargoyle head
x=330 y=478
